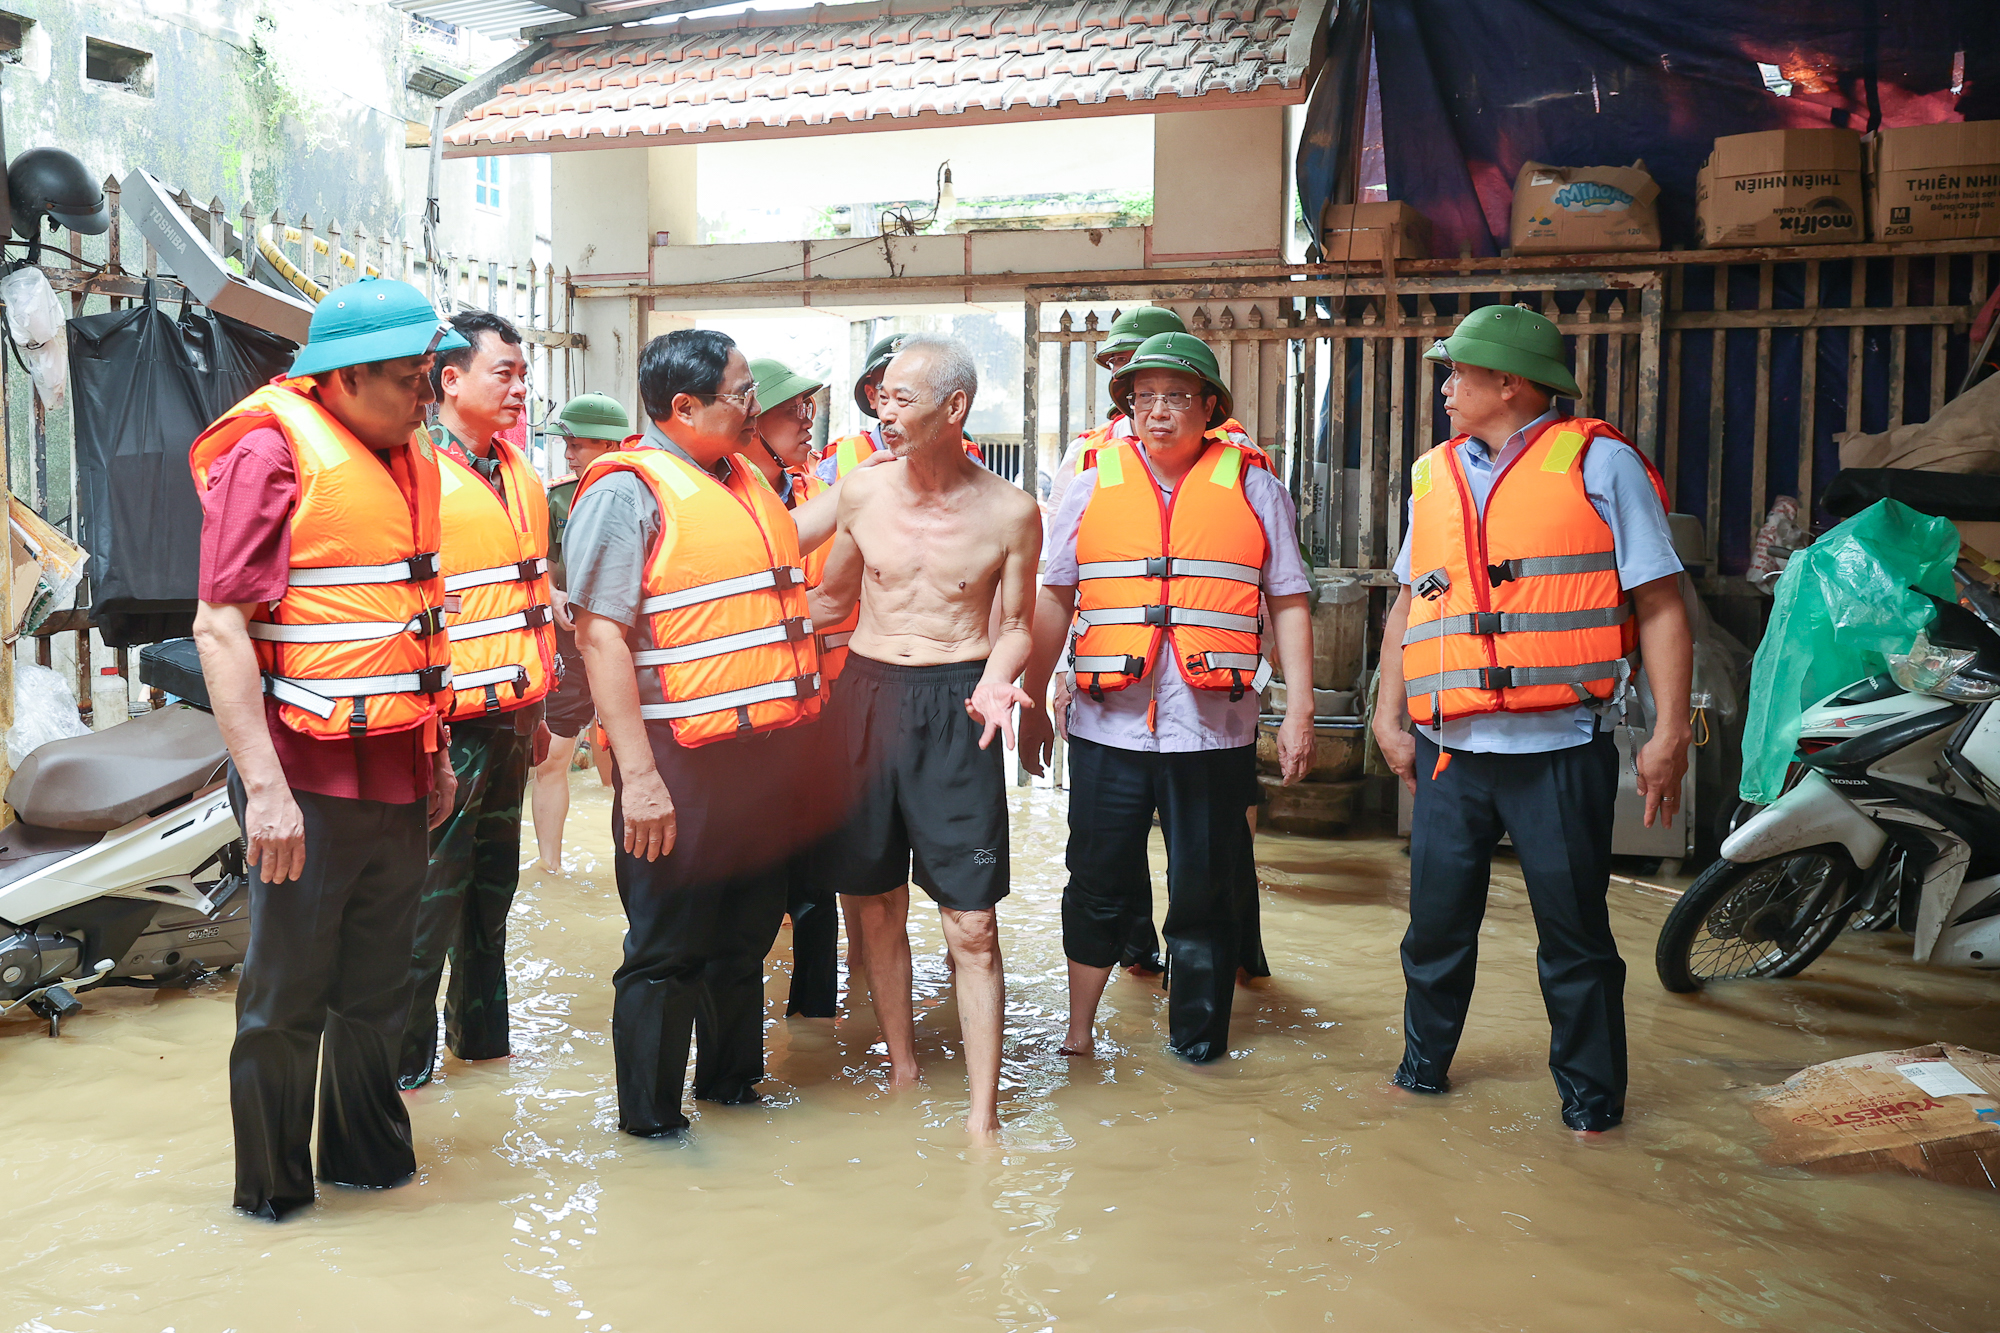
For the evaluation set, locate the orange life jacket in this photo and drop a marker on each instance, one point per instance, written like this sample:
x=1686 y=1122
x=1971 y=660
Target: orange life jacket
x=355 y=646
x=832 y=640
x=1521 y=612
x=496 y=583
x=725 y=594
x=1185 y=568
x=1231 y=431
x=851 y=449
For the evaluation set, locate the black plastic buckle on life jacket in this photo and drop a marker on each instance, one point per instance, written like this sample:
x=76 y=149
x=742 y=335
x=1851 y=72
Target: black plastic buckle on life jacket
x=1155 y=615
x=782 y=578
x=430 y=679
x=492 y=697
x=804 y=687
x=1496 y=678
x=1157 y=567
x=743 y=717
x=1484 y=622
x=424 y=565
x=538 y=615
x=1500 y=573
x=1236 y=687
x=357 y=720
x=427 y=622
x=525 y=571
x=796 y=628
x=1096 y=690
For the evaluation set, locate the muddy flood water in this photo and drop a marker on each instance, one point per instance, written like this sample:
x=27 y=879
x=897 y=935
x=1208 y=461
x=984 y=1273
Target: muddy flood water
x=1280 y=1189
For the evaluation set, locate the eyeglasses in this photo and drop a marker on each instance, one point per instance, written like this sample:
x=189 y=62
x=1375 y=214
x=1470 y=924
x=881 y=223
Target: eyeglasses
x=742 y=400
x=1173 y=402
x=803 y=407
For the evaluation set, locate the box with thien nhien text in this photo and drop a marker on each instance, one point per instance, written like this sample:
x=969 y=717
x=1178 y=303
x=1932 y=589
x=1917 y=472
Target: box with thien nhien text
x=1781 y=187
x=1935 y=182
x=1365 y=231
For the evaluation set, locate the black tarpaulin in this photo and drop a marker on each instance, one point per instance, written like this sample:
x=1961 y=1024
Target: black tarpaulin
x=144 y=384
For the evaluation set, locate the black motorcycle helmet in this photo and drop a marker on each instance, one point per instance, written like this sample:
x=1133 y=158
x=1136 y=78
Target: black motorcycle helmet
x=47 y=182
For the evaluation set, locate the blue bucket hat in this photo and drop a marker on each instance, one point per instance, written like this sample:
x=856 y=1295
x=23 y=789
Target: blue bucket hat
x=375 y=319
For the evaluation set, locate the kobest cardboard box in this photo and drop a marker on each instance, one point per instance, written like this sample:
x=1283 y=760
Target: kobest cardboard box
x=1935 y=182
x=1781 y=187
x=1572 y=209
x=1365 y=231
x=1930 y=1111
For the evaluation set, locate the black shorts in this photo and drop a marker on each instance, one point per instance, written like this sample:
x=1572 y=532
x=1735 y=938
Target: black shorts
x=926 y=805
x=569 y=708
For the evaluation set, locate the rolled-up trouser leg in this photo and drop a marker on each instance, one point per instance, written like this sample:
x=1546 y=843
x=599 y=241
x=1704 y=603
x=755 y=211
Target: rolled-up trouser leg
x=1110 y=816
x=475 y=1009
x=364 y=1128
x=1559 y=814
x=1208 y=859
x=1453 y=833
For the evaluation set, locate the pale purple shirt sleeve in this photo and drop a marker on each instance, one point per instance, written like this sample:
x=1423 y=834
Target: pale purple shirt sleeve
x=1060 y=539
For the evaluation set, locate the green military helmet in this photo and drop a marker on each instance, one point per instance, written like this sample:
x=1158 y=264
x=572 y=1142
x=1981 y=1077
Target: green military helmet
x=1513 y=340
x=879 y=356
x=1174 y=351
x=594 y=416
x=778 y=383
x=1134 y=327
x=375 y=319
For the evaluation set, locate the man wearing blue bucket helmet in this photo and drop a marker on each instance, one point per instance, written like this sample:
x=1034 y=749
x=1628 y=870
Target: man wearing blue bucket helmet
x=320 y=628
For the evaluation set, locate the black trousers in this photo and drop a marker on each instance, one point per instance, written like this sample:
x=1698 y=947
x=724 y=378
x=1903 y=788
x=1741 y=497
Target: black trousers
x=815 y=912
x=1557 y=807
x=321 y=999
x=699 y=922
x=1200 y=797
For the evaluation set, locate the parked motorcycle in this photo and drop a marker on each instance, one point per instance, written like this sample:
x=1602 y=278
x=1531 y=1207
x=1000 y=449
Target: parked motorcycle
x=125 y=864
x=1890 y=816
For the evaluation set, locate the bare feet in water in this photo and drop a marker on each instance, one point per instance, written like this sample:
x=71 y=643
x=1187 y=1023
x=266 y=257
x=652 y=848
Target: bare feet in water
x=1082 y=1043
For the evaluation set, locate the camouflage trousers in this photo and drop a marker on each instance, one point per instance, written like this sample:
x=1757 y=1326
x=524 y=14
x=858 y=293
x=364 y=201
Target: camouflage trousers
x=475 y=865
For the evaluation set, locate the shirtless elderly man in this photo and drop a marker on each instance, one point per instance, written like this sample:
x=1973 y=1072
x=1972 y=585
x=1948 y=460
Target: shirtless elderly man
x=942 y=555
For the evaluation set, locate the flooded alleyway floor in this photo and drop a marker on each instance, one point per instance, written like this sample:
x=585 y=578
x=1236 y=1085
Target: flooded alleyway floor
x=1280 y=1189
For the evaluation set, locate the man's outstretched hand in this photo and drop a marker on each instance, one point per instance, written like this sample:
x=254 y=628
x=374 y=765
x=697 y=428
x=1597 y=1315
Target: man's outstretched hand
x=1038 y=740
x=993 y=704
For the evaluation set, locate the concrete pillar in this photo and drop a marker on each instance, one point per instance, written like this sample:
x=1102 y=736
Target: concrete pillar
x=671 y=193
x=1219 y=186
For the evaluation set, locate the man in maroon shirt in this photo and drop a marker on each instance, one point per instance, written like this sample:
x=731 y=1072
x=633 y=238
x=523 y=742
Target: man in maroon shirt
x=336 y=828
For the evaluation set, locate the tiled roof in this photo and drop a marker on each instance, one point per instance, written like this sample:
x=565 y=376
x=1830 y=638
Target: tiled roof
x=840 y=67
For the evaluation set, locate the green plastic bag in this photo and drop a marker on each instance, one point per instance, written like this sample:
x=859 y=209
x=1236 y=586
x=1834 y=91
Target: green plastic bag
x=1842 y=606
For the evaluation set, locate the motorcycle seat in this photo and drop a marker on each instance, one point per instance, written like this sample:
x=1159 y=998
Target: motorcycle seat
x=101 y=781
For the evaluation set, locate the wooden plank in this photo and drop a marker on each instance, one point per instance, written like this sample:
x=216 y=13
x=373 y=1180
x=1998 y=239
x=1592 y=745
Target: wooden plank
x=1397 y=351
x=1671 y=352
x=1899 y=343
x=1717 y=367
x=1062 y=391
x=1646 y=382
x=1425 y=389
x=1336 y=424
x=1760 y=430
x=1940 y=291
x=1808 y=398
x=1372 y=462
x=1827 y=317
x=1614 y=372
x=1031 y=391
x=1857 y=342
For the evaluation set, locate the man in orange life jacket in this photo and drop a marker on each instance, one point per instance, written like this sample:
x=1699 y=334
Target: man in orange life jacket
x=782 y=456
x=503 y=663
x=1159 y=555
x=687 y=587
x=320 y=631
x=1536 y=559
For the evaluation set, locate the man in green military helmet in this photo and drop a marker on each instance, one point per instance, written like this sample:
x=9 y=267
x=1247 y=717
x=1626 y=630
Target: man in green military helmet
x=1511 y=647
x=589 y=425
x=1165 y=674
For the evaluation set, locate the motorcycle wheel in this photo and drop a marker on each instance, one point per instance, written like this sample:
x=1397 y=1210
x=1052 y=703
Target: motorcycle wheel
x=1766 y=920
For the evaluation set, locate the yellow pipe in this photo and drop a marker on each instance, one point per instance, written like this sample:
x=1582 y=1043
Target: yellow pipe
x=269 y=249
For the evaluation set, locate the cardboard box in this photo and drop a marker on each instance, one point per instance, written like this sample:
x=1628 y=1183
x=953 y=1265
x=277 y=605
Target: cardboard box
x=1578 y=209
x=1931 y=1111
x=1367 y=231
x=1781 y=187
x=1935 y=182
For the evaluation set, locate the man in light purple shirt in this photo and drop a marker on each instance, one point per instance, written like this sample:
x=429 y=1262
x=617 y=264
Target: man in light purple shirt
x=1161 y=744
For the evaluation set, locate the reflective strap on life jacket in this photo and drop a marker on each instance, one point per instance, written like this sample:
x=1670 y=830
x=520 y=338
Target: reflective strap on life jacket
x=316 y=695
x=803 y=687
x=785 y=576
x=1168 y=615
x=786 y=631
x=1593 y=562
x=1519 y=677
x=417 y=568
x=1084 y=666
x=533 y=618
x=1255 y=663
x=422 y=625
x=525 y=571
x=1163 y=567
x=828 y=642
x=475 y=680
x=1519 y=622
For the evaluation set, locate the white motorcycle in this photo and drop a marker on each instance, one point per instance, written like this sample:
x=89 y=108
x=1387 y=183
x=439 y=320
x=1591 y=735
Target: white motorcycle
x=1890 y=817
x=125 y=865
